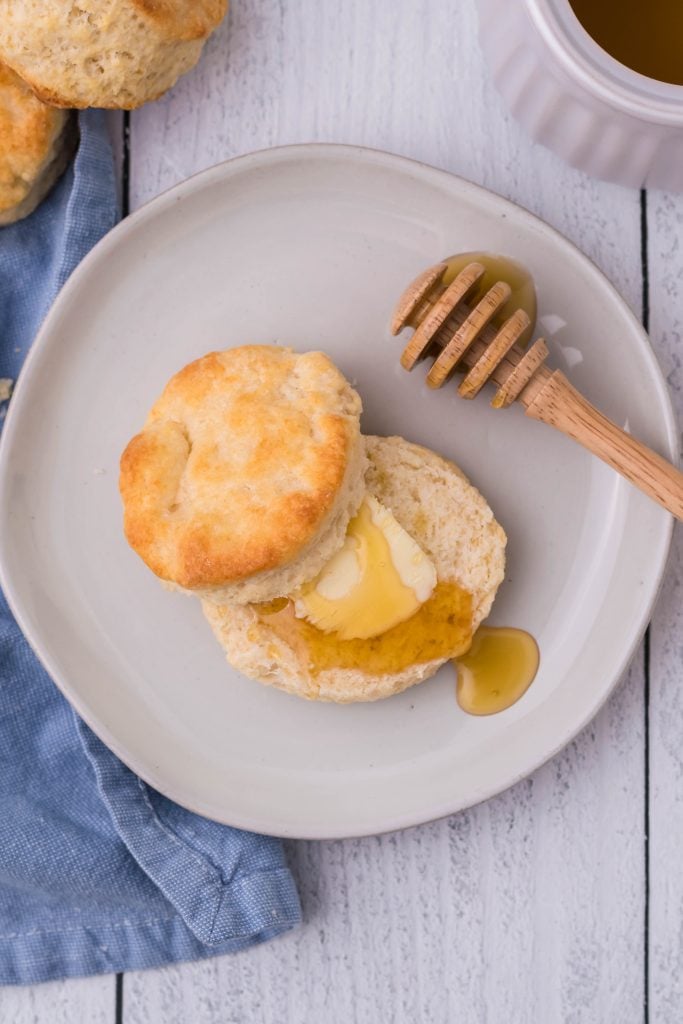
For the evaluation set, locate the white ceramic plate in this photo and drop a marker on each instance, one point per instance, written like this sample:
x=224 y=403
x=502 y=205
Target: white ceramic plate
x=310 y=247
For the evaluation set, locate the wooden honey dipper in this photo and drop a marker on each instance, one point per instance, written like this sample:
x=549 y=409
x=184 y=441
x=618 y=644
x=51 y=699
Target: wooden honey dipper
x=469 y=343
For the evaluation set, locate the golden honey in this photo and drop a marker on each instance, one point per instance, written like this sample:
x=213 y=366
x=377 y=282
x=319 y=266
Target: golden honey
x=496 y=671
x=441 y=628
x=648 y=38
x=498 y=268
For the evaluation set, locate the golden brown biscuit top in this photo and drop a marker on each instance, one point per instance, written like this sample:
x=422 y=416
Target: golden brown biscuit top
x=28 y=132
x=239 y=465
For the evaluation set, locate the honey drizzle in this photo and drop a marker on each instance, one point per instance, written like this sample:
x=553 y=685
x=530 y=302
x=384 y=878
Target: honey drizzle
x=441 y=628
x=498 y=669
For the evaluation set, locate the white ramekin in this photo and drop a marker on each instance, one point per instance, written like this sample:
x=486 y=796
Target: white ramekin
x=574 y=98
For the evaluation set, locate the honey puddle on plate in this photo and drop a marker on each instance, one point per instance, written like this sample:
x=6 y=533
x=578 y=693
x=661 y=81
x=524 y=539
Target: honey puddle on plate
x=498 y=268
x=496 y=671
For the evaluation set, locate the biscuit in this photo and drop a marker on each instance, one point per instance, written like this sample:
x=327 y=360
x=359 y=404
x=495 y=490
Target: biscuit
x=118 y=54
x=453 y=524
x=36 y=142
x=242 y=483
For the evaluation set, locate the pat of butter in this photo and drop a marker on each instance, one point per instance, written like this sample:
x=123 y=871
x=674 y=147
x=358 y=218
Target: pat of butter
x=378 y=578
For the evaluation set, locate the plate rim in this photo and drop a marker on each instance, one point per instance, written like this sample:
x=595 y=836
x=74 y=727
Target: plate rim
x=155 y=207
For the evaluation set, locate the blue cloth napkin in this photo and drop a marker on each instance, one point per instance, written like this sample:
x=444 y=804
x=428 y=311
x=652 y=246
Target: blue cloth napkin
x=99 y=872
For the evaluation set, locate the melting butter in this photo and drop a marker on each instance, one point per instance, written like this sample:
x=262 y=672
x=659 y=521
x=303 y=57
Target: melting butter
x=496 y=671
x=378 y=579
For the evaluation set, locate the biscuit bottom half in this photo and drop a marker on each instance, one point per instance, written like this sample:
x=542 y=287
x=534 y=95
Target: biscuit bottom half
x=454 y=526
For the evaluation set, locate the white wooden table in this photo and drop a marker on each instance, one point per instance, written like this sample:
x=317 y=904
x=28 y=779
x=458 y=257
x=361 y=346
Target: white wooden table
x=562 y=899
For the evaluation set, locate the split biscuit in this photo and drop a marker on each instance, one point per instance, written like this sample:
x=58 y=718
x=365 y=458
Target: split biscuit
x=453 y=524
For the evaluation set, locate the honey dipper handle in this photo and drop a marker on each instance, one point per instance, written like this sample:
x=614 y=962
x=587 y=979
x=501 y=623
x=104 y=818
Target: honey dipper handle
x=560 y=405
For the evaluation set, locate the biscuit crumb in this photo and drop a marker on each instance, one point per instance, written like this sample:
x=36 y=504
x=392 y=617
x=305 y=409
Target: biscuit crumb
x=6 y=385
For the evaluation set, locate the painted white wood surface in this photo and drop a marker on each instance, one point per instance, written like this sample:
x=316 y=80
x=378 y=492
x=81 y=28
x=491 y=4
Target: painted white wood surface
x=665 y=223
x=79 y=1001
x=531 y=907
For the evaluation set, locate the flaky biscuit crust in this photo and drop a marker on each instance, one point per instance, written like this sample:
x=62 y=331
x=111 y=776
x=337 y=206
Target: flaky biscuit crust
x=118 y=54
x=246 y=461
x=33 y=141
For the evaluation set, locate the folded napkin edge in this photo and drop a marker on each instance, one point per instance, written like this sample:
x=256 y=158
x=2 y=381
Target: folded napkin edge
x=123 y=946
x=272 y=893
